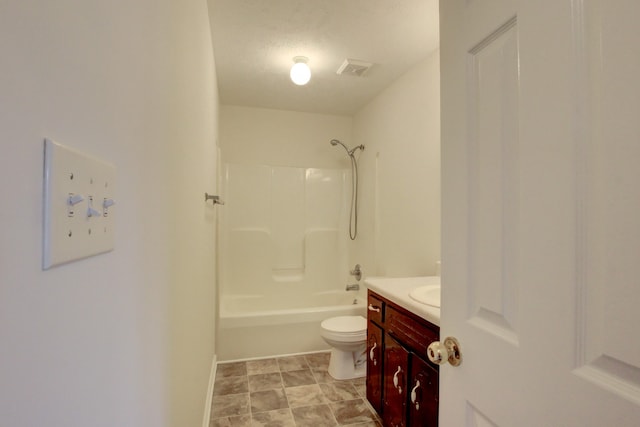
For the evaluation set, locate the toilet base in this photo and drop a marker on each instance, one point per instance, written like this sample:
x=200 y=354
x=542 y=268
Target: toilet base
x=348 y=365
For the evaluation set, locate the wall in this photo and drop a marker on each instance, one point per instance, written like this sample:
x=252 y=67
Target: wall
x=282 y=138
x=124 y=338
x=399 y=220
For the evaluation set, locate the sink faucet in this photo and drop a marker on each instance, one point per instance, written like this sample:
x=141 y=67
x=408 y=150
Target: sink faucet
x=354 y=287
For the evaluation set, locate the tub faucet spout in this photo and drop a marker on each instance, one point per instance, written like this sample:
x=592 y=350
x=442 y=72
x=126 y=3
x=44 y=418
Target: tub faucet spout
x=354 y=287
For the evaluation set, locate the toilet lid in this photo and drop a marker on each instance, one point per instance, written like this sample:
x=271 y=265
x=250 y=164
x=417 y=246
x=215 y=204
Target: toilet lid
x=345 y=324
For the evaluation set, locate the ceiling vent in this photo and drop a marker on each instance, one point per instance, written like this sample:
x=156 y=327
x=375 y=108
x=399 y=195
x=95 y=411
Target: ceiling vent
x=352 y=67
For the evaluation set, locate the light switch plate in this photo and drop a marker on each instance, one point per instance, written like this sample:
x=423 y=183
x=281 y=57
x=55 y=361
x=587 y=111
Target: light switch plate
x=76 y=222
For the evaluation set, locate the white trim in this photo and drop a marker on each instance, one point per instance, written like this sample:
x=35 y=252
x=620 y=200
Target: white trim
x=207 y=403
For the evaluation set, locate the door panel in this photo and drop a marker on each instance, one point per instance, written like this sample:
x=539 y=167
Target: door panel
x=492 y=80
x=541 y=201
x=607 y=350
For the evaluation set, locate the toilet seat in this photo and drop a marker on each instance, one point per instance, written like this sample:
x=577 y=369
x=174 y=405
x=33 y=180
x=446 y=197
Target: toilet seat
x=345 y=324
x=345 y=328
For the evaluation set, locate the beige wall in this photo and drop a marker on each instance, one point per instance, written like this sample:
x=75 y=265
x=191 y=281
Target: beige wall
x=399 y=221
x=263 y=136
x=124 y=338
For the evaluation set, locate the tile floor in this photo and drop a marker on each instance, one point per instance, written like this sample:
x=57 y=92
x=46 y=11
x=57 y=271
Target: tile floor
x=286 y=392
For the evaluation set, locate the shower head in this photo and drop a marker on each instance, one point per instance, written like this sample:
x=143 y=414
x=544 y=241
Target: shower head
x=335 y=142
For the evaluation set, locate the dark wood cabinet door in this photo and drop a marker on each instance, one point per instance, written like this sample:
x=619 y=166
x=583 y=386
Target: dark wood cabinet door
x=396 y=364
x=374 y=366
x=423 y=394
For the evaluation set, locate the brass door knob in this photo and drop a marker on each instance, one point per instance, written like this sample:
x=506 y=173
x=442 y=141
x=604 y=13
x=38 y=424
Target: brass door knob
x=447 y=351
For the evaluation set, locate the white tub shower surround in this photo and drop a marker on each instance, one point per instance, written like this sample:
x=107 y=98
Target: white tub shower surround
x=283 y=260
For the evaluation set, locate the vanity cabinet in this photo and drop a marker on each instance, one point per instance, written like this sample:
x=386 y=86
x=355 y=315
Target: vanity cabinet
x=402 y=385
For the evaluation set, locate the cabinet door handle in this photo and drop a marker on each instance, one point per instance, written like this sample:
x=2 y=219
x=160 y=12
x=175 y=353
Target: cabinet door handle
x=374 y=308
x=396 y=381
x=371 y=355
x=414 y=395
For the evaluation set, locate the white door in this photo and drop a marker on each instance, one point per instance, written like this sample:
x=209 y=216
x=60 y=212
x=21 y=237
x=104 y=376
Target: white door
x=541 y=212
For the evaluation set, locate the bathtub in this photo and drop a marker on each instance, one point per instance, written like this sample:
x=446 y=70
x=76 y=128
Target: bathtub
x=252 y=326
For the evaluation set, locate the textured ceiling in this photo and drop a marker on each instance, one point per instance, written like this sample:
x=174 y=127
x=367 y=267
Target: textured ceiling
x=255 y=41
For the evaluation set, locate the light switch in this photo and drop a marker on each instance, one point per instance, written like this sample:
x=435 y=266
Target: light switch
x=76 y=187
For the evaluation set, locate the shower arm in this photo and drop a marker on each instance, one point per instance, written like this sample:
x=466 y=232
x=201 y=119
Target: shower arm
x=353 y=150
x=349 y=152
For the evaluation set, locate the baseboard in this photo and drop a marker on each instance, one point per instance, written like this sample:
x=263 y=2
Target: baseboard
x=207 y=405
x=247 y=359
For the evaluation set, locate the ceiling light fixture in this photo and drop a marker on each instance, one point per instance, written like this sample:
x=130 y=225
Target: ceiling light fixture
x=300 y=73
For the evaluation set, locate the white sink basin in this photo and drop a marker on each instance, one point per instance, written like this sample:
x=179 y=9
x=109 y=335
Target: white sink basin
x=429 y=295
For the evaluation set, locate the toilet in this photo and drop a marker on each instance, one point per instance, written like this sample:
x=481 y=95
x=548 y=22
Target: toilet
x=347 y=336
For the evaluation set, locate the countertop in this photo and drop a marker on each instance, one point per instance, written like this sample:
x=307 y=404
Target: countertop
x=396 y=289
